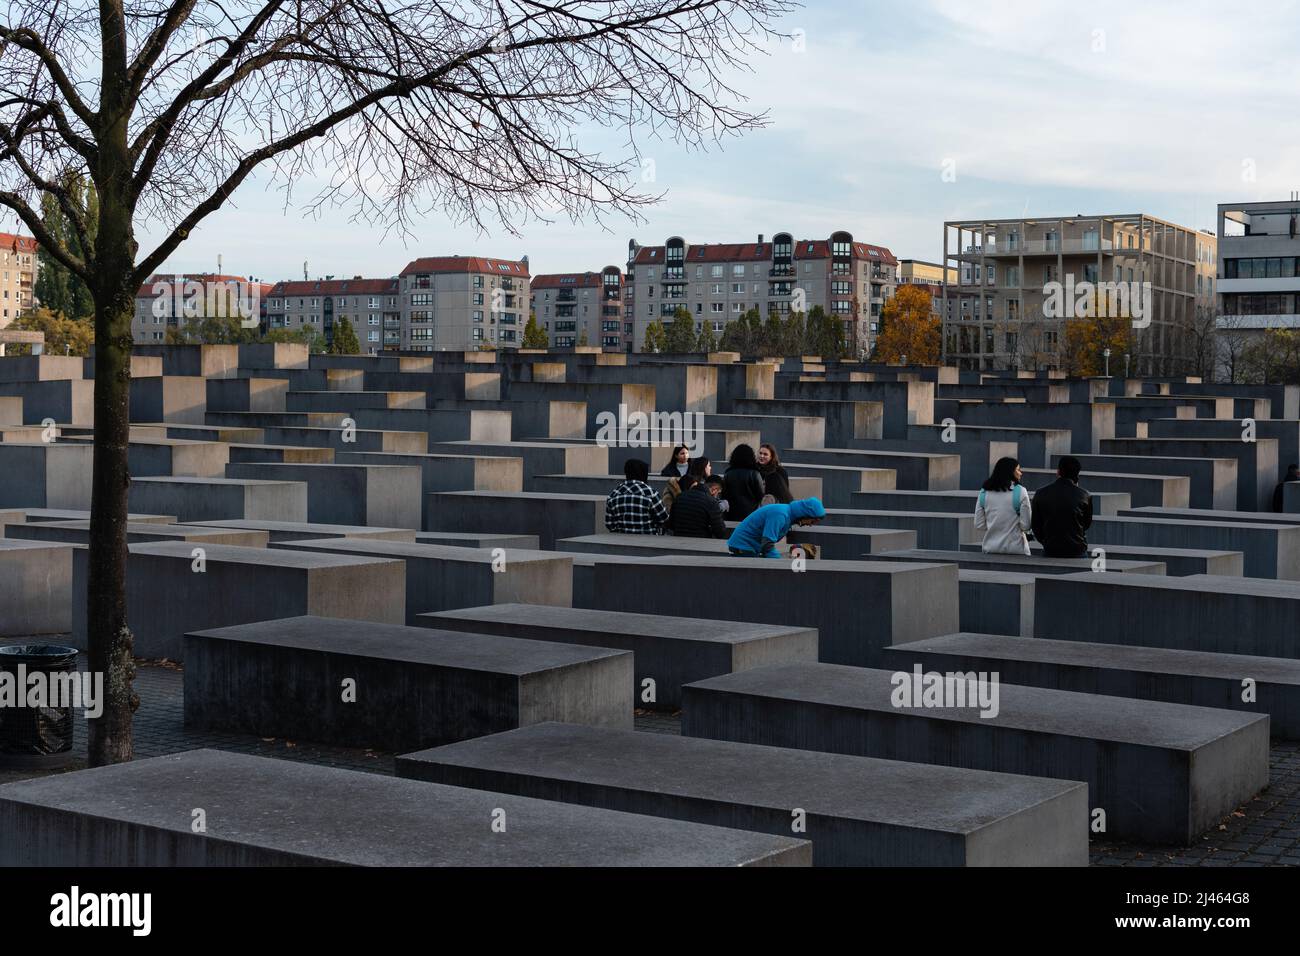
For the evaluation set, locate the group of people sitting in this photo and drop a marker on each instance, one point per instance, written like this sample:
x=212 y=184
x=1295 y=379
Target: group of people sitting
x=1058 y=515
x=754 y=490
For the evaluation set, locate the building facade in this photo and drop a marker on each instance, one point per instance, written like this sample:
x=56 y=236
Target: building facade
x=168 y=301
x=1258 y=272
x=18 y=265
x=463 y=303
x=719 y=282
x=571 y=306
x=371 y=306
x=1003 y=307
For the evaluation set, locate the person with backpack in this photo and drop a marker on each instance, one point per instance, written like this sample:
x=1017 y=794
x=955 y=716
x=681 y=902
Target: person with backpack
x=696 y=513
x=1003 y=512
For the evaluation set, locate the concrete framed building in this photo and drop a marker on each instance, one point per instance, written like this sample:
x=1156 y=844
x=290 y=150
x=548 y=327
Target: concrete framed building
x=462 y=302
x=166 y=301
x=1259 y=274
x=1008 y=269
x=567 y=304
x=371 y=306
x=719 y=282
x=18 y=267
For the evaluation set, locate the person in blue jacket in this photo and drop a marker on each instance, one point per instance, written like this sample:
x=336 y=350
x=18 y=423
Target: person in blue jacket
x=757 y=535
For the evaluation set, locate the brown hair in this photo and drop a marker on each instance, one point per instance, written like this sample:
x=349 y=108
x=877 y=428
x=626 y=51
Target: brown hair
x=771 y=450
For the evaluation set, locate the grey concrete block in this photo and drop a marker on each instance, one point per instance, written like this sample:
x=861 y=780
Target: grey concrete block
x=441 y=577
x=1268 y=550
x=1200 y=678
x=78 y=532
x=45 y=475
x=996 y=602
x=1200 y=612
x=1033 y=564
x=1169 y=491
x=934 y=529
x=305 y=530
x=905 y=599
x=383 y=495
x=68 y=401
x=1161 y=772
x=177 y=457
x=547 y=516
x=669 y=651
x=1257 y=461
x=167 y=598
x=414 y=687
x=472 y=540
x=859 y=811
x=539 y=457
x=1212 y=481
x=169 y=398
x=35 y=585
x=140 y=813
x=211 y=499
x=247 y=394
x=913 y=470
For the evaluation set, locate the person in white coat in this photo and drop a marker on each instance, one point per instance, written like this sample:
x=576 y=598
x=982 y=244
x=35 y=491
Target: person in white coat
x=1003 y=512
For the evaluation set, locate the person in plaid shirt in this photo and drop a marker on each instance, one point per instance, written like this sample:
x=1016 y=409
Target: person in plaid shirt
x=633 y=507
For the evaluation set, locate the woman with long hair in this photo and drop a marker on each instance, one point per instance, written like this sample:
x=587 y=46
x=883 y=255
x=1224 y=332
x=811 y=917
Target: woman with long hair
x=1002 y=510
x=742 y=484
x=678 y=464
x=775 y=479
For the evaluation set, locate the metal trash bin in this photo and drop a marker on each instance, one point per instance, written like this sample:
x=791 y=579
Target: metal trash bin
x=35 y=737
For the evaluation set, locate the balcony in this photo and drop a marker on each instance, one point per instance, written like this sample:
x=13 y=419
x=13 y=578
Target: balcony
x=1042 y=247
x=777 y=271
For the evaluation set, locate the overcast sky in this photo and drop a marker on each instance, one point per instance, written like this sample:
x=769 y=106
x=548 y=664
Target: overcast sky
x=1038 y=107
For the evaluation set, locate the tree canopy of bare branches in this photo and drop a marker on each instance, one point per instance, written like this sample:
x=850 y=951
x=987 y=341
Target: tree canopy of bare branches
x=473 y=109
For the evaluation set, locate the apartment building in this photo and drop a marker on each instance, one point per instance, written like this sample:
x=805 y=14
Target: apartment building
x=920 y=272
x=569 y=304
x=371 y=306
x=168 y=301
x=463 y=302
x=18 y=265
x=719 y=282
x=1258 y=271
x=1003 y=308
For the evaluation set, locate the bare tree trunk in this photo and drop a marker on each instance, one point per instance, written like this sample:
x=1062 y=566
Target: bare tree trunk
x=113 y=288
x=109 y=637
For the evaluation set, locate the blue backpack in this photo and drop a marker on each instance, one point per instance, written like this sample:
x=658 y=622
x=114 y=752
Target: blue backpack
x=1017 y=495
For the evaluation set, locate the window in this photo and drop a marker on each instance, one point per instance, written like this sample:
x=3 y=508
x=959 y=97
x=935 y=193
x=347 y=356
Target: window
x=715 y=306
x=478 y=282
x=737 y=288
x=699 y=272
x=477 y=335
x=716 y=289
x=374 y=318
x=738 y=270
x=716 y=272
x=372 y=337
x=738 y=307
x=478 y=315
x=424 y=298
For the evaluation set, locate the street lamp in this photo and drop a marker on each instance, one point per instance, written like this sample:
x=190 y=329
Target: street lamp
x=1105 y=353
x=1126 y=365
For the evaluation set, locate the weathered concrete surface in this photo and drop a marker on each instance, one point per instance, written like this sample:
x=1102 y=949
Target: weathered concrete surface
x=913 y=470
x=457 y=539
x=997 y=602
x=78 y=532
x=1212 y=481
x=670 y=651
x=1178 y=562
x=177 y=457
x=1032 y=564
x=440 y=577
x=1161 y=772
x=859 y=811
x=934 y=529
x=305 y=530
x=35 y=586
x=1257 y=461
x=166 y=596
x=169 y=398
x=140 y=814
x=1268 y=550
x=384 y=495
x=1120 y=670
x=45 y=475
x=905 y=599
x=1199 y=612
x=411 y=687
x=1169 y=491
x=212 y=499
x=547 y=516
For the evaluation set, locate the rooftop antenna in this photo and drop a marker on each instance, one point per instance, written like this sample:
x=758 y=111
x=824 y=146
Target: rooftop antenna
x=218 y=263
x=304 y=270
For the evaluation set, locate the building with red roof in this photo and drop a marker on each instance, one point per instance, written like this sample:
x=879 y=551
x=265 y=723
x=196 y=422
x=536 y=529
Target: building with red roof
x=18 y=268
x=461 y=303
x=569 y=304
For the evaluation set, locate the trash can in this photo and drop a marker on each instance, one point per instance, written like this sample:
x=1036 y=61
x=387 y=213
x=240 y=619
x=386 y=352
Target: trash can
x=36 y=736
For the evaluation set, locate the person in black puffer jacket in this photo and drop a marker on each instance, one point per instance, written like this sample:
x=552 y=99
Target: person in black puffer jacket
x=742 y=485
x=697 y=514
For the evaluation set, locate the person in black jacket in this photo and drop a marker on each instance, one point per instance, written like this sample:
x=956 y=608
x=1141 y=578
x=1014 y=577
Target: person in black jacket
x=678 y=464
x=1062 y=513
x=775 y=479
x=742 y=485
x=697 y=513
